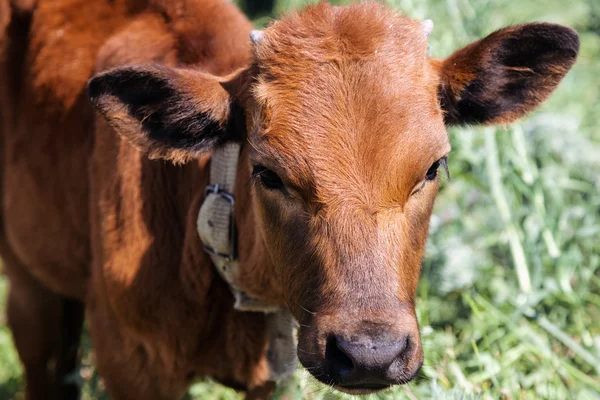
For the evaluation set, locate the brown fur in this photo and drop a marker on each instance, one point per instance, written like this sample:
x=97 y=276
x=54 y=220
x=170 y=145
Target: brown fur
x=5 y=13
x=343 y=104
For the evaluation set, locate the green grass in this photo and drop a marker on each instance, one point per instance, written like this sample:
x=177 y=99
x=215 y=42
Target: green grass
x=509 y=300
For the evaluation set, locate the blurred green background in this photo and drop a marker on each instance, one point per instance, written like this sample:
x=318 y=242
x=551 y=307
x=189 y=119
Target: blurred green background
x=509 y=300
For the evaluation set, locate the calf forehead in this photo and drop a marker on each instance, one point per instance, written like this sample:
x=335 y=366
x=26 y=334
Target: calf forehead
x=349 y=88
x=338 y=34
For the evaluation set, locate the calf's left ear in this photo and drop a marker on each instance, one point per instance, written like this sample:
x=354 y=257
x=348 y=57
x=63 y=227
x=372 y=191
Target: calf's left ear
x=505 y=75
x=169 y=113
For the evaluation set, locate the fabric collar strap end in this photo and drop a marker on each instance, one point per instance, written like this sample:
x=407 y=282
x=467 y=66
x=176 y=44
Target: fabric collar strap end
x=216 y=227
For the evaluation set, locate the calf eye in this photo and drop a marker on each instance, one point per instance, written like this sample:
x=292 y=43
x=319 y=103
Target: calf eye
x=268 y=178
x=432 y=171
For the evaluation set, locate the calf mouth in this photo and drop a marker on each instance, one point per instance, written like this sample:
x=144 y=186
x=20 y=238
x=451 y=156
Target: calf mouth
x=367 y=385
x=362 y=389
x=356 y=388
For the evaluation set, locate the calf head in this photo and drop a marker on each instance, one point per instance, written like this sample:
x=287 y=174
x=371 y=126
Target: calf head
x=345 y=119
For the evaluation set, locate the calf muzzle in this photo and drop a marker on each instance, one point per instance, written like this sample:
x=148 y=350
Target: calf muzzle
x=368 y=358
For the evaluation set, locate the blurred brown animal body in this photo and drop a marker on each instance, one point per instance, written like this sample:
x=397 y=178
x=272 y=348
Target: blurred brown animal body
x=342 y=118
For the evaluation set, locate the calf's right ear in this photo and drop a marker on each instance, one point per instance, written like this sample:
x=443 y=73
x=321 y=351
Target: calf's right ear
x=169 y=113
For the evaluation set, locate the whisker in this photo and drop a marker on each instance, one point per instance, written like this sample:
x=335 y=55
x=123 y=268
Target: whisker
x=307 y=352
x=308 y=311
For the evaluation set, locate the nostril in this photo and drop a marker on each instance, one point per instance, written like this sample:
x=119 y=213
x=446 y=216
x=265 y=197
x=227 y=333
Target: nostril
x=404 y=347
x=341 y=364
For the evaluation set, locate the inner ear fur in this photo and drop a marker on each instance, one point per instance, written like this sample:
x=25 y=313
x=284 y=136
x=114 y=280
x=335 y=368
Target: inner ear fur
x=168 y=113
x=502 y=77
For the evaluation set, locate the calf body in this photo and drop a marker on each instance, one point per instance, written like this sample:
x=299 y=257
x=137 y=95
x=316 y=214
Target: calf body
x=158 y=314
x=341 y=119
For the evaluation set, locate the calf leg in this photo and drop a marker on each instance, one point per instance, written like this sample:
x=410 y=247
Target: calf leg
x=68 y=355
x=129 y=372
x=46 y=329
x=32 y=314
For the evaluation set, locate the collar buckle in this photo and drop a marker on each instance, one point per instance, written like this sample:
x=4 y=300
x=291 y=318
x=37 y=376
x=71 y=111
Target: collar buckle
x=222 y=193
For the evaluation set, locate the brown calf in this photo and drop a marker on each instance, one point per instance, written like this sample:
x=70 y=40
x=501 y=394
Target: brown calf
x=341 y=116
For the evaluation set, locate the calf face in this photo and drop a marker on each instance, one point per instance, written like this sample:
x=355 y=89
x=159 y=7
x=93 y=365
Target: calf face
x=345 y=116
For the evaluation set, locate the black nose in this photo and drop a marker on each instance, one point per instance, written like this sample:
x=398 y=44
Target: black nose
x=366 y=362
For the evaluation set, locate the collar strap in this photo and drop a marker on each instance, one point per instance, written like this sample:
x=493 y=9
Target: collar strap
x=216 y=227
